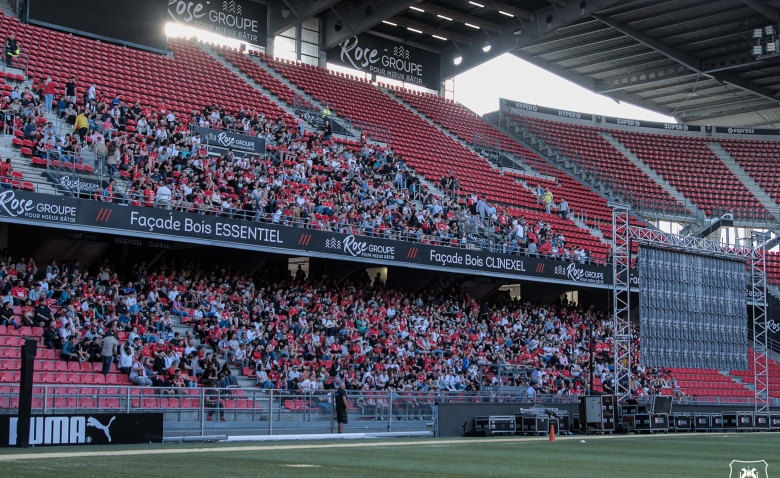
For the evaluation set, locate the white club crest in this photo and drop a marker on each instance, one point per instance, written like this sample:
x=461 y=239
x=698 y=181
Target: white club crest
x=749 y=469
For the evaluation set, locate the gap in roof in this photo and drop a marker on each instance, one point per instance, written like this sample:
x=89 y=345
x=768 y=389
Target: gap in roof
x=507 y=76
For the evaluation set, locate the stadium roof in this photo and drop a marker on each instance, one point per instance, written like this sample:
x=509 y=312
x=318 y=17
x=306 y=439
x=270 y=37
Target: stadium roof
x=691 y=59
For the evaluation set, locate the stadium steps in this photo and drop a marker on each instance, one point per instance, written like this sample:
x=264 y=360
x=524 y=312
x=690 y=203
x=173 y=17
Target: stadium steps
x=743 y=176
x=7 y=8
x=594 y=231
x=286 y=82
x=650 y=172
x=527 y=169
x=178 y=326
x=267 y=93
x=292 y=86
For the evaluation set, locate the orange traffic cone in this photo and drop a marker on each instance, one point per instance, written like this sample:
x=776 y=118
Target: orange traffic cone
x=552 y=432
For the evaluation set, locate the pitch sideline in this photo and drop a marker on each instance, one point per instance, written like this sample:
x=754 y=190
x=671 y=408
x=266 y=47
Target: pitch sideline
x=432 y=442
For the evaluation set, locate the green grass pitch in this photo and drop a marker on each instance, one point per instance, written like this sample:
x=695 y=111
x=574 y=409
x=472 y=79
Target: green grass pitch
x=683 y=455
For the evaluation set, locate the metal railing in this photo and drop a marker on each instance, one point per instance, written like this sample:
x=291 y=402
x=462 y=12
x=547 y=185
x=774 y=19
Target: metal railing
x=204 y=411
x=242 y=411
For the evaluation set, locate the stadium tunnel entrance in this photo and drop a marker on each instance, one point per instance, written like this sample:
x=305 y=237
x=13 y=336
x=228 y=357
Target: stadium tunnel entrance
x=122 y=252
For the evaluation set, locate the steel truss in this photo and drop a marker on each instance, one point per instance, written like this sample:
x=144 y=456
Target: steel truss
x=621 y=300
x=757 y=267
x=625 y=235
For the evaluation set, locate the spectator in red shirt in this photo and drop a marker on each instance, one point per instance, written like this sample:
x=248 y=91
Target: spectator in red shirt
x=19 y=293
x=49 y=90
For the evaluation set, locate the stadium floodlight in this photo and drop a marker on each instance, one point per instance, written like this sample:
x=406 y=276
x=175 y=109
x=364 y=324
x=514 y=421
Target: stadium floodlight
x=477 y=4
x=458 y=60
x=758 y=50
x=771 y=47
x=487 y=47
x=770 y=30
x=758 y=33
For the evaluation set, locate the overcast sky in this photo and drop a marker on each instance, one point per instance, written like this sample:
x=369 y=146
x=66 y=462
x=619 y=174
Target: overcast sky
x=510 y=77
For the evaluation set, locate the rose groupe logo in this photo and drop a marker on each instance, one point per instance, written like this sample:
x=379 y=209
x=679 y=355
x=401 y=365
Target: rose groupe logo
x=232 y=7
x=359 y=248
x=401 y=52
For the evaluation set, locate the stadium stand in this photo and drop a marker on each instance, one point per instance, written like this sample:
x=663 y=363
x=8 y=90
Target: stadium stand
x=283 y=332
x=758 y=159
x=423 y=147
x=594 y=153
x=694 y=170
x=470 y=128
x=746 y=376
x=378 y=338
x=136 y=161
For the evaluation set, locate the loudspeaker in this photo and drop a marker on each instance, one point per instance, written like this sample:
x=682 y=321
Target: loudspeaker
x=662 y=405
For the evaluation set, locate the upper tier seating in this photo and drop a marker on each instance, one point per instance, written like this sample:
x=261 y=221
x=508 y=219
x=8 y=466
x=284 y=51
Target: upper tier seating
x=187 y=80
x=466 y=125
x=759 y=159
x=586 y=146
x=425 y=148
x=689 y=165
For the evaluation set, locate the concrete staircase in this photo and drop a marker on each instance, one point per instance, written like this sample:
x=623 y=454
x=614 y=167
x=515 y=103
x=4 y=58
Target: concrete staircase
x=580 y=223
x=519 y=164
x=347 y=124
x=7 y=9
x=765 y=199
x=650 y=172
x=177 y=326
x=267 y=93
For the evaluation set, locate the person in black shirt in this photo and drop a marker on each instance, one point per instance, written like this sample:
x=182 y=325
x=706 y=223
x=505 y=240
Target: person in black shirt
x=70 y=90
x=7 y=315
x=11 y=49
x=341 y=406
x=328 y=130
x=42 y=315
x=51 y=338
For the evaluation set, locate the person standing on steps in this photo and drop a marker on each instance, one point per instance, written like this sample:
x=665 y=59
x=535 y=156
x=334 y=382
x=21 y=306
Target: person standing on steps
x=12 y=50
x=107 y=352
x=70 y=90
x=48 y=95
x=341 y=406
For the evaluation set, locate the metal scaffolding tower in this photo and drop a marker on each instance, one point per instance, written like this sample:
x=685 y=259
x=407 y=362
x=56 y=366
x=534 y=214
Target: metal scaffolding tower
x=757 y=268
x=621 y=299
x=752 y=254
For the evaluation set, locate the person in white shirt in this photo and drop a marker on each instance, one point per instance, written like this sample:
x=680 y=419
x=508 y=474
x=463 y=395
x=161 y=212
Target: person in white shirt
x=171 y=358
x=126 y=359
x=163 y=197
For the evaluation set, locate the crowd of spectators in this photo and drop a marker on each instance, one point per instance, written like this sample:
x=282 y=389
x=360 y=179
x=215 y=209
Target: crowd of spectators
x=304 y=178
x=305 y=334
